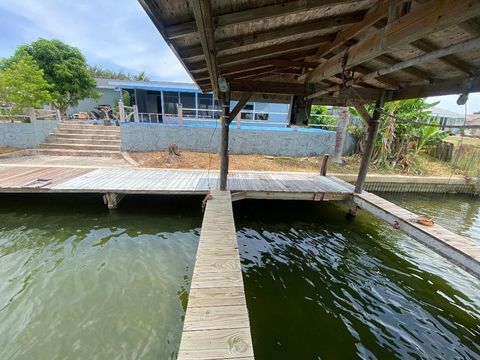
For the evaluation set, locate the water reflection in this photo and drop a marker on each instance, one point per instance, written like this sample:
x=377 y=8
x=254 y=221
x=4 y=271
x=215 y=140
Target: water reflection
x=77 y=282
x=319 y=286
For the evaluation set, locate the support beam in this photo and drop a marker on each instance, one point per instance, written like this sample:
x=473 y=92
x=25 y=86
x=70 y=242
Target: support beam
x=224 y=142
x=436 y=15
x=378 y=13
x=363 y=113
x=203 y=19
x=372 y=135
x=273 y=50
x=464 y=46
x=241 y=103
x=328 y=25
x=449 y=59
x=254 y=15
x=112 y=200
x=442 y=87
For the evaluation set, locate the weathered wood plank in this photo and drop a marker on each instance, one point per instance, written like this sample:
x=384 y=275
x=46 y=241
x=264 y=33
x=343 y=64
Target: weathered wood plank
x=216 y=323
x=458 y=249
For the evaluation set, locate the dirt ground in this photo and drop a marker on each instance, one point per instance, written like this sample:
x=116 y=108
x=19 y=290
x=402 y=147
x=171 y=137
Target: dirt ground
x=255 y=162
x=4 y=150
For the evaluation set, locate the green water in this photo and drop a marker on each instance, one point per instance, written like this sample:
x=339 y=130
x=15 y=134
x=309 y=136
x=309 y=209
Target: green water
x=321 y=287
x=79 y=282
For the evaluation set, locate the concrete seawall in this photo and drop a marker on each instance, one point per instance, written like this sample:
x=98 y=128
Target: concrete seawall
x=25 y=135
x=154 y=137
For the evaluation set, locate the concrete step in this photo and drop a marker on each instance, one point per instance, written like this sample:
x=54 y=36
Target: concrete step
x=96 y=153
x=80 y=146
x=89 y=127
x=52 y=139
x=84 y=137
x=96 y=132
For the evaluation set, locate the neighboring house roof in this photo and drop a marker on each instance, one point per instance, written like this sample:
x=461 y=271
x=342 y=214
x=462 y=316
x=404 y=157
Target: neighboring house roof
x=439 y=112
x=473 y=119
x=146 y=85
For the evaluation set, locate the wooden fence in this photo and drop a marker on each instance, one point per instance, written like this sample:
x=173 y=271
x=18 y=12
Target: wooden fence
x=442 y=151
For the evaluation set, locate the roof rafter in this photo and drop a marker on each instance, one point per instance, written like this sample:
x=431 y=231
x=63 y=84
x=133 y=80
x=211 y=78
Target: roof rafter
x=434 y=16
x=279 y=33
x=377 y=13
x=251 y=15
x=272 y=51
x=203 y=18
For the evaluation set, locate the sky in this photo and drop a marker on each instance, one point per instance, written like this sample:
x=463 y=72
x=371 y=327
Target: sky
x=116 y=34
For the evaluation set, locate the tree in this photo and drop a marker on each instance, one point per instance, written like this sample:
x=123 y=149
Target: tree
x=65 y=69
x=141 y=77
x=23 y=85
x=342 y=125
x=98 y=71
x=401 y=138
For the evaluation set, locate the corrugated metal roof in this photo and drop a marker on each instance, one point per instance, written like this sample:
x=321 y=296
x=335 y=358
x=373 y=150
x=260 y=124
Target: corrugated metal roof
x=146 y=85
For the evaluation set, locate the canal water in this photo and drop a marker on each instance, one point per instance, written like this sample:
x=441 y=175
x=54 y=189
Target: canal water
x=320 y=286
x=80 y=282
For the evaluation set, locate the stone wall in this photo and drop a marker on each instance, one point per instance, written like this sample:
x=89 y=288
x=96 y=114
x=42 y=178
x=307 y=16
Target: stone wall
x=284 y=142
x=25 y=135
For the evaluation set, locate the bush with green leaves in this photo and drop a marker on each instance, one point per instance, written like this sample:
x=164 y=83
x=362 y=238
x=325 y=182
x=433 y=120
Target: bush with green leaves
x=320 y=115
x=22 y=85
x=401 y=136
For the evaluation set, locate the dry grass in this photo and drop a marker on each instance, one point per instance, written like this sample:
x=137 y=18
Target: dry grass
x=455 y=139
x=255 y=162
x=5 y=150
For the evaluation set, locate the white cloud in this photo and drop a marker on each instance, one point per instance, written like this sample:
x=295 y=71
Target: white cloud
x=109 y=32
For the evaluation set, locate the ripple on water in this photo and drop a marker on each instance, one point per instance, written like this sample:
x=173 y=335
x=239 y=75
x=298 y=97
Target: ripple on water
x=84 y=284
x=320 y=287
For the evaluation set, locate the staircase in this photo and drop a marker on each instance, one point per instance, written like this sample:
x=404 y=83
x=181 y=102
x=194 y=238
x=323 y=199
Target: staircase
x=78 y=138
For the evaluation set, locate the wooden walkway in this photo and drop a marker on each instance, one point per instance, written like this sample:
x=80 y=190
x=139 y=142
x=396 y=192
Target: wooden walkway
x=257 y=185
x=216 y=324
x=458 y=249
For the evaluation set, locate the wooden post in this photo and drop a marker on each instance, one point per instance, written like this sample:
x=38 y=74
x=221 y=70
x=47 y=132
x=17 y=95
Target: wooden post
x=121 y=110
x=323 y=169
x=341 y=133
x=224 y=142
x=136 y=116
x=180 y=114
x=31 y=114
x=372 y=134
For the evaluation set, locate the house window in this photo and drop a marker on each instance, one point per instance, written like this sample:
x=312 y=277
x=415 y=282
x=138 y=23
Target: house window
x=188 y=104
x=247 y=112
x=218 y=109
x=261 y=111
x=205 y=102
x=170 y=100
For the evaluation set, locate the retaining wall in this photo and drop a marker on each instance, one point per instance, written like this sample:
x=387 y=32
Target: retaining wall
x=25 y=135
x=155 y=137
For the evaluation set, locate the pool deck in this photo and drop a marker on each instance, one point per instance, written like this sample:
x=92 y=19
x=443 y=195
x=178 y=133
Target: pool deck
x=216 y=323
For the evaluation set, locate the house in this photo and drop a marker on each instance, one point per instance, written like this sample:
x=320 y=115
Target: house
x=157 y=102
x=472 y=119
x=447 y=119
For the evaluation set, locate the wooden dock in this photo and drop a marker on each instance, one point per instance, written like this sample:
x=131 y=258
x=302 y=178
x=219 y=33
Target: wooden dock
x=458 y=249
x=255 y=185
x=216 y=324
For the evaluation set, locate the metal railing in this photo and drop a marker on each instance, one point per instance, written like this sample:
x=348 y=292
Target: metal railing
x=30 y=115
